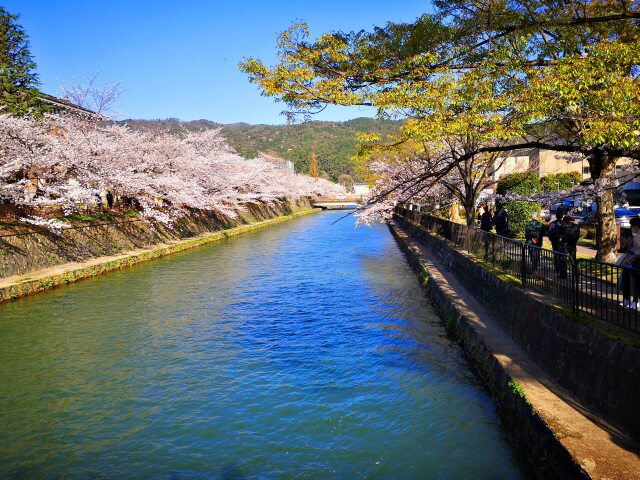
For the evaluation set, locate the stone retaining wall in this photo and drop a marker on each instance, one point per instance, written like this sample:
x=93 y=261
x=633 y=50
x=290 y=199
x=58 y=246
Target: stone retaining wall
x=531 y=437
x=63 y=276
x=25 y=248
x=602 y=372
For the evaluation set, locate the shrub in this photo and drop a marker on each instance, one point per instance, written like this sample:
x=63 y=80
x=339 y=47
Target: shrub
x=524 y=183
x=519 y=214
x=520 y=211
x=560 y=181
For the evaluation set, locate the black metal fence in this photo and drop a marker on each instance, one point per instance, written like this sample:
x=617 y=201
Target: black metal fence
x=601 y=289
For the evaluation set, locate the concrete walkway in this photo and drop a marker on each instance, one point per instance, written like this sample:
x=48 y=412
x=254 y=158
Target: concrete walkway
x=600 y=449
x=586 y=252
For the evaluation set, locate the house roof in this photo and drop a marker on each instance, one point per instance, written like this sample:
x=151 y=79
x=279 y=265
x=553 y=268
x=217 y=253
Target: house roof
x=67 y=105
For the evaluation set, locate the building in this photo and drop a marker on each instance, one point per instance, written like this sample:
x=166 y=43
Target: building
x=360 y=189
x=61 y=106
x=543 y=162
x=277 y=161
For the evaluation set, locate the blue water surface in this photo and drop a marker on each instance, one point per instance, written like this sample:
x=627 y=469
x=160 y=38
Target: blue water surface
x=305 y=350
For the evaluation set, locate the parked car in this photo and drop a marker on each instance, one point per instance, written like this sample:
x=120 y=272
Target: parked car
x=634 y=209
x=623 y=216
x=573 y=203
x=545 y=214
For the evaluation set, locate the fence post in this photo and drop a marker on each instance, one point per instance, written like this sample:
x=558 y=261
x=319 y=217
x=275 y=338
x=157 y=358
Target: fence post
x=576 y=285
x=523 y=267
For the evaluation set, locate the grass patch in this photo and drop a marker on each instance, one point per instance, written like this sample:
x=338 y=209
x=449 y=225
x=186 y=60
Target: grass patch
x=587 y=242
x=516 y=388
x=450 y=325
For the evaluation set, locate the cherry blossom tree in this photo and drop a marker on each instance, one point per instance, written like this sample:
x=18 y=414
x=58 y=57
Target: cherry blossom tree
x=70 y=160
x=100 y=99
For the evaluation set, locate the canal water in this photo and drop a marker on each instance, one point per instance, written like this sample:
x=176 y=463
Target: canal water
x=305 y=350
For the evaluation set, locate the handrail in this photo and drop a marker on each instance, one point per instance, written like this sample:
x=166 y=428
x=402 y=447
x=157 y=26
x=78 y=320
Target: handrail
x=601 y=289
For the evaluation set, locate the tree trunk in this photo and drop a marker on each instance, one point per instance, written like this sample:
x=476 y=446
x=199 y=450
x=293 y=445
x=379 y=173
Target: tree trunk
x=469 y=205
x=454 y=214
x=606 y=229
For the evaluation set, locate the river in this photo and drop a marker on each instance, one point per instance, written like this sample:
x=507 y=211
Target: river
x=305 y=350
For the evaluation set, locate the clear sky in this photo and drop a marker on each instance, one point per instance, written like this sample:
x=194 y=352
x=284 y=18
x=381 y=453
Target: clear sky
x=179 y=58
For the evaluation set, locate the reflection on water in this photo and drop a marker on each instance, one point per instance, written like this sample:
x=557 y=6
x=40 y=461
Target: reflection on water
x=305 y=350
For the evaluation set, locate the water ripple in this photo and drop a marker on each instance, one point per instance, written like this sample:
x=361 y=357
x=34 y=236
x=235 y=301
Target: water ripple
x=302 y=351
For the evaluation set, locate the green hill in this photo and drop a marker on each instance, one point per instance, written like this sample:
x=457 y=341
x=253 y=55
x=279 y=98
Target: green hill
x=334 y=142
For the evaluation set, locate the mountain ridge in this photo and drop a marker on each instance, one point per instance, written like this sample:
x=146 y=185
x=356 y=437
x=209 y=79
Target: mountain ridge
x=334 y=142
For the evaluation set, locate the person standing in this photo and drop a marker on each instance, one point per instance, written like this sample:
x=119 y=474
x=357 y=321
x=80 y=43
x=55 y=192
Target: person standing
x=631 y=263
x=486 y=220
x=480 y=210
x=571 y=235
x=554 y=229
x=533 y=232
x=109 y=197
x=556 y=236
x=501 y=221
x=97 y=200
x=486 y=224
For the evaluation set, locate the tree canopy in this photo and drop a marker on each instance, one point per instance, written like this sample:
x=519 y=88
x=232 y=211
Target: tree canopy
x=502 y=67
x=18 y=79
x=560 y=75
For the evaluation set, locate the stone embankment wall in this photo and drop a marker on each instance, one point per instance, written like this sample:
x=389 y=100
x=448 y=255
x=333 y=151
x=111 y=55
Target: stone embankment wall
x=25 y=248
x=530 y=436
x=601 y=371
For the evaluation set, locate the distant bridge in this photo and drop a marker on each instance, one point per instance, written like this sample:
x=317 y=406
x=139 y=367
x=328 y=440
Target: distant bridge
x=337 y=203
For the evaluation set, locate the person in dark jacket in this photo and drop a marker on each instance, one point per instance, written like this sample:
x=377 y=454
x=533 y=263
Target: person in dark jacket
x=486 y=220
x=533 y=232
x=501 y=221
x=109 y=199
x=564 y=235
x=553 y=226
x=571 y=235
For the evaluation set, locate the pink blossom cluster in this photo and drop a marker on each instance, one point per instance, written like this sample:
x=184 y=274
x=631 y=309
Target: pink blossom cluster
x=429 y=181
x=401 y=181
x=68 y=161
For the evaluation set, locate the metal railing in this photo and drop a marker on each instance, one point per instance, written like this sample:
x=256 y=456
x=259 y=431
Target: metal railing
x=601 y=289
x=606 y=290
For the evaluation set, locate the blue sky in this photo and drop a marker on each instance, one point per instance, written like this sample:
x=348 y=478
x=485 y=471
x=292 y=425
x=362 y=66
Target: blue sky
x=179 y=58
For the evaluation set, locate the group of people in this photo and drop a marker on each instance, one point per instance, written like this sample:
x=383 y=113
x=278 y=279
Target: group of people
x=563 y=234
x=100 y=200
x=500 y=220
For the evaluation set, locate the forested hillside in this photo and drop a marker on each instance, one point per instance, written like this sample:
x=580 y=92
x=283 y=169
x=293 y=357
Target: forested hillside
x=334 y=142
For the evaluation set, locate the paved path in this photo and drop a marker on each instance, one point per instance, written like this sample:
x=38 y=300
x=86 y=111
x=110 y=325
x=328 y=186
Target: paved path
x=589 y=252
